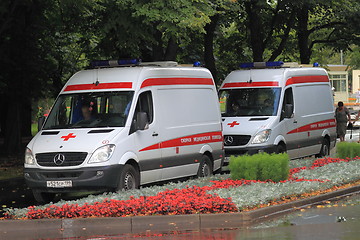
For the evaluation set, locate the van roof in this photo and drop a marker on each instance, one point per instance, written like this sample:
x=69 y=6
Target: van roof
x=131 y=78
x=274 y=77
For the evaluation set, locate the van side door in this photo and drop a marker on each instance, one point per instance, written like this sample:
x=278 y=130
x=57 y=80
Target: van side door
x=288 y=123
x=146 y=140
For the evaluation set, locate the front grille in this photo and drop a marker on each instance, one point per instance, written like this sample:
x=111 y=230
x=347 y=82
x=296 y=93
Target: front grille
x=67 y=159
x=60 y=175
x=236 y=140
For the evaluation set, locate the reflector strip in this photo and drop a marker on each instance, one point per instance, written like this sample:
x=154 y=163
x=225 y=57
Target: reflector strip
x=307 y=79
x=187 y=141
x=80 y=87
x=176 y=81
x=330 y=123
x=252 y=84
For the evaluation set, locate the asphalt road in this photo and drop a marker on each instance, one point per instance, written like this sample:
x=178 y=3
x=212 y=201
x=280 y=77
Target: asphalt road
x=335 y=220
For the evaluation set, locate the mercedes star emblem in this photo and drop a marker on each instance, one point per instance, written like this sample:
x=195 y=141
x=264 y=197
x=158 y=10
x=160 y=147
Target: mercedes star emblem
x=59 y=159
x=228 y=140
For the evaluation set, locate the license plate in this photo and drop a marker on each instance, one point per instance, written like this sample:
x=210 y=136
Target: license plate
x=59 y=184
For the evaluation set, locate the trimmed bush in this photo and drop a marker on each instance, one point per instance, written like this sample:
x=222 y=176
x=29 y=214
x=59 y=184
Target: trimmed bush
x=261 y=166
x=347 y=149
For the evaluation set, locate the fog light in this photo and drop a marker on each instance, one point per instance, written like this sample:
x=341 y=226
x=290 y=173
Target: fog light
x=27 y=175
x=99 y=173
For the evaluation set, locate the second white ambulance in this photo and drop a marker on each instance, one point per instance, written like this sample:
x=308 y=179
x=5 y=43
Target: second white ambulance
x=270 y=108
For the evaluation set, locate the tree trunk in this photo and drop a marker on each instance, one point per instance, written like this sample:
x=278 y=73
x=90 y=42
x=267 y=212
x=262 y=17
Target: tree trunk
x=209 y=46
x=284 y=39
x=303 y=34
x=12 y=139
x=255 y=27
x=171 y=50
x=158 y=50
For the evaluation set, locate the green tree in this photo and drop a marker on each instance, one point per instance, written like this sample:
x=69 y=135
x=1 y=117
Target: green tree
x=331 y=23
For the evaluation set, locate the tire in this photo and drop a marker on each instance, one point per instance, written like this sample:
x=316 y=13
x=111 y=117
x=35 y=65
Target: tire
x=280 y=148
x=205 y=167
x=325 y=148
x=129 y=178
x=43 y=197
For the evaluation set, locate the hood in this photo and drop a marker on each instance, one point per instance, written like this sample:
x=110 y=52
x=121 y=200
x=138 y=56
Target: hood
x=72 y=140
x=246 y=125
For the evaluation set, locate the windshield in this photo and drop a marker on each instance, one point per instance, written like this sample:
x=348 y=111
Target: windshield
x=249 y=102
x=89 y=110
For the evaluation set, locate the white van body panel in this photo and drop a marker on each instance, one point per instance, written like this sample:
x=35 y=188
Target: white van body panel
x=302 y=134
x=185 y=124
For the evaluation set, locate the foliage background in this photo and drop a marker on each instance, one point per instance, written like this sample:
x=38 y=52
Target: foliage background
x=44 y=42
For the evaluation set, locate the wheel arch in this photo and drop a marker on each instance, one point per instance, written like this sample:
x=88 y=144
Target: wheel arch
x=207 y=150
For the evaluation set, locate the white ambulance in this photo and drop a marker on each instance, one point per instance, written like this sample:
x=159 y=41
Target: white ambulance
x=114 y=128
x=270 y=107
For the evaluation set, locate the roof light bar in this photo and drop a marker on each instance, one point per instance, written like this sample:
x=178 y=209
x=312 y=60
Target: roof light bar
x=261 y=64
x=114 y=63
x=197 y=64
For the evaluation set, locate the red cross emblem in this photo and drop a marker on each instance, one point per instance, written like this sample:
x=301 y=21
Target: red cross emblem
x=67 y=137
x=233 y=124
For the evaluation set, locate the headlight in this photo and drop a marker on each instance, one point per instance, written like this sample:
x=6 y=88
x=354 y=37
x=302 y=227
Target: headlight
x=262 y=136
x=102 y=154
x=29 y=158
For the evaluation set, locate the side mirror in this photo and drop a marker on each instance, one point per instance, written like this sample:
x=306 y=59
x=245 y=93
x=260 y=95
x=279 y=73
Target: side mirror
x=289 y=109
x=141 y=121
x=41 y=121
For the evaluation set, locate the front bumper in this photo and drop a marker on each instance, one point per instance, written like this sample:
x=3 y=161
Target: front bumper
x=248 y=150
x=84 y=179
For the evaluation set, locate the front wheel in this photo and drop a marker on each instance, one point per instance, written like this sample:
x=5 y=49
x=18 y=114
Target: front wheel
x=43 y=197
x=280 y=148
x=205 y=167
x=129 y=178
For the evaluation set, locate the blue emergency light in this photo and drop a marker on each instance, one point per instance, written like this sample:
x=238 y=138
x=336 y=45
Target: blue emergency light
x=114 y=63
x=261 y=64
x=197 y=64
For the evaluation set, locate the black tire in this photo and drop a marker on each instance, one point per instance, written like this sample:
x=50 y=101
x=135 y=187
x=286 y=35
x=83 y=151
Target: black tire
x=325 y=148
x=129 y=178
x=280 y=148
x=205 y=167
x=43 y=197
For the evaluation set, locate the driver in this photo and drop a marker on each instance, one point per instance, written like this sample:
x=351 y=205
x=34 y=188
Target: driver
x=87 y=110
x=268 y=107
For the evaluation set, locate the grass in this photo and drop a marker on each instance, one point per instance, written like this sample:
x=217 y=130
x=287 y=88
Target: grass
x=10 y=172
x=34 y=129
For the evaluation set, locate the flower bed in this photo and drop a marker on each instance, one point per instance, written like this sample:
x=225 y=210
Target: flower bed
x=218 y=194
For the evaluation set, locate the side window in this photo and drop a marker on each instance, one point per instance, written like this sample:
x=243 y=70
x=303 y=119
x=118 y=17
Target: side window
x=288 y=100
x=145 y=104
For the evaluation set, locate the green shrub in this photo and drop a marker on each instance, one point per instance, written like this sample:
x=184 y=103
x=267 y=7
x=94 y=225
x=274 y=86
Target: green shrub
x=261 y=166
x=347 y=149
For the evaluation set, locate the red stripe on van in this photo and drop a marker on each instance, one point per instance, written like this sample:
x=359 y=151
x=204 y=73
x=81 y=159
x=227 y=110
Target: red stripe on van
x=79 y=87
x=252 y=84
x=176 y=81
x=187 y=141
x=330 y=123
x=307 y=79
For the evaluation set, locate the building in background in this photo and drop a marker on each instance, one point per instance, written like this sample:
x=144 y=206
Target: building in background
x=339 y=78
x=355 y=80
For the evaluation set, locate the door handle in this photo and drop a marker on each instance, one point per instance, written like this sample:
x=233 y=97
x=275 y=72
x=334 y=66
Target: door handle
x=155 y=134
x=295 y=121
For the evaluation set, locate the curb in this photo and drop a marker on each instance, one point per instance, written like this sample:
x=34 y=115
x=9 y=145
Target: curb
x=85 y=227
